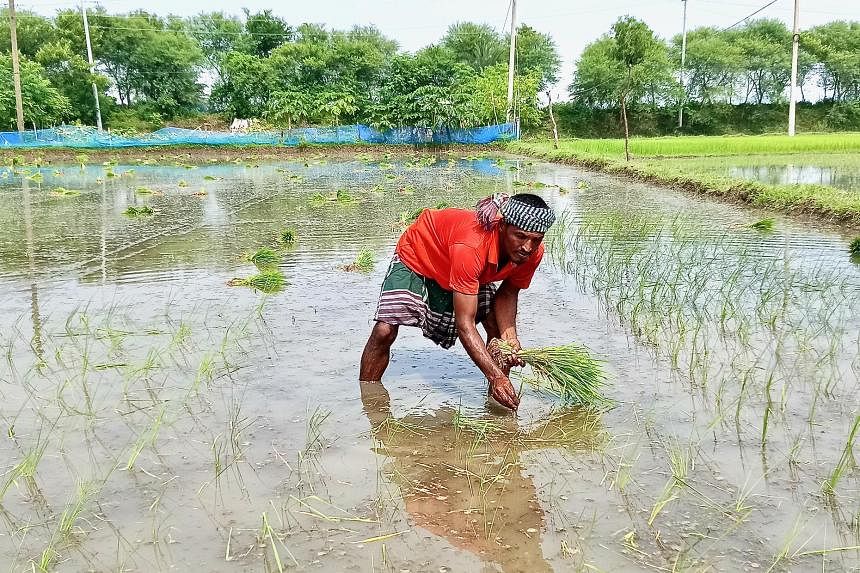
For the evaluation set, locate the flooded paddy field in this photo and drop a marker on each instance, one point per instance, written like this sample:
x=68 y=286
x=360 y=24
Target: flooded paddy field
x=155 y=418
x=838 y=170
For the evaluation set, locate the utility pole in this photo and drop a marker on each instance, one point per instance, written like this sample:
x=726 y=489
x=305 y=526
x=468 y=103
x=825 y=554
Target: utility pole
x=795 y=47
x=512 y=61
x=92 y=66
x=16 y=67
x=683 y=61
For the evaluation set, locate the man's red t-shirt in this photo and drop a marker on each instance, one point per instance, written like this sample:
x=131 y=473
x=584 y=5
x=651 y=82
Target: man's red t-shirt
x=450 y=247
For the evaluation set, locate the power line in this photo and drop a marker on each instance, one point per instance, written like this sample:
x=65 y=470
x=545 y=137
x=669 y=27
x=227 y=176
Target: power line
x=745 y=18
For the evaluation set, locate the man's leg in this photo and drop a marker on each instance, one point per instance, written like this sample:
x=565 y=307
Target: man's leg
x=377 y=352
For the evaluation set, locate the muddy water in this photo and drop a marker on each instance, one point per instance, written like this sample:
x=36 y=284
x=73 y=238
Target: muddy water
x=156 y=419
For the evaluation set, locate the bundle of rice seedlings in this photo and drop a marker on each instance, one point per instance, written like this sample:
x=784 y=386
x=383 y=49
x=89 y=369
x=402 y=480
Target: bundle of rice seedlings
x=567 y=372
x=765 y=225
x=143 y=211
x=269 y=281
x=363 y=262
x=287 y=236
x=265 y=258
x=854 y=247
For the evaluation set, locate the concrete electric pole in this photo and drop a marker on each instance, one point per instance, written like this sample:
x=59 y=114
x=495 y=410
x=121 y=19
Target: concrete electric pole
x=683 y=62
x=795 y=47
x=92 y=66
x=16 y=67
x=512 y=60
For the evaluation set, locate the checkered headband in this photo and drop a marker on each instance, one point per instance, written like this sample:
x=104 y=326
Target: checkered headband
x=517 y=213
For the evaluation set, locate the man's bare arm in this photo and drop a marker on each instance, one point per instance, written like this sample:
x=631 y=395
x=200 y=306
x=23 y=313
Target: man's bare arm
x=465 y=310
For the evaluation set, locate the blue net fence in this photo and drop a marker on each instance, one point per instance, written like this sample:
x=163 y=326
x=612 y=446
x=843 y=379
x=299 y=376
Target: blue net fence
x=88 y=137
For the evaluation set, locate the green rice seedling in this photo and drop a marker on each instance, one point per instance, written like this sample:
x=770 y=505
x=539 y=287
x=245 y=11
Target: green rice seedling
x=318 y=199
x=182 y=183
x=413 y=215
x=854 y=247
x=209 y=177
x=144 y=191
x=147 y=438
x=363 y=262
x=287 y=236
x=567 y=372
x=82 y=159
x=268 y=282
x=582 y=184
x=37 y=177
x=85 y=493
x=142 y=211
x=265 y=259
x=680 y=468
x=344 y=196
x=63 y=192
x=442 y=205
x=845 y=461
x=26 y=468
x=765 y=225
x=109 y=173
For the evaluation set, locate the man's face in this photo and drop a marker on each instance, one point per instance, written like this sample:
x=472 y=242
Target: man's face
x=518 y=245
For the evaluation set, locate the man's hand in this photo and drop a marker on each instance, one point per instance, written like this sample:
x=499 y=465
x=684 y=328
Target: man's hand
x=514 y=359
x=503 y=392
x=506 y=360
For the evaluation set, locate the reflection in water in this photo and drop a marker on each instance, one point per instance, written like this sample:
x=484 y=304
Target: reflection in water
x=840 y=177
x=31 y=269
x=462 y=477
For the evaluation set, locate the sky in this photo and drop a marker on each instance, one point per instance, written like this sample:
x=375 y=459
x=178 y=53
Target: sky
x=573 y=24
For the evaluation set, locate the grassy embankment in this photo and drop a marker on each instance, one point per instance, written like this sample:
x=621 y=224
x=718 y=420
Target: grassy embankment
x=699 y=164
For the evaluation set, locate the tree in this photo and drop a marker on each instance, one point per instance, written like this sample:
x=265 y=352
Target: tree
x=265 y=32
x=536 y=52
x=245 y=87
x=766 y=59
x=713 y=65
x=288 y=107
x=150 y=61
x=43 y=103
x=598 y=76
x=836 y=48
x=489 y=93
x=634 y=42
x=217 y=35
x=33 y=31
x=477 y=45
x=70 y=73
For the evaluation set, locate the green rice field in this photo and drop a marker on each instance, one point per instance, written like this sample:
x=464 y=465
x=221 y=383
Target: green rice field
x=815 y=174
x=180 y=341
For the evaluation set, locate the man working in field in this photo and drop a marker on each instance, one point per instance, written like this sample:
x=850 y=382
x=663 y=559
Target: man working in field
x=441 y=280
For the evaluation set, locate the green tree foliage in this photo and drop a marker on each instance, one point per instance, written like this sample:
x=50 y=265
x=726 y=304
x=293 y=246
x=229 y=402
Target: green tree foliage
x=70 y=73
x=537 y=53
x=477 y=45
x=44 y=105
x=217 y=35
x=765 y=59
x=150 y=60
x=639 y=53
x=245 y=86
x=836 y=49
x=33 y=31
x=264 y=32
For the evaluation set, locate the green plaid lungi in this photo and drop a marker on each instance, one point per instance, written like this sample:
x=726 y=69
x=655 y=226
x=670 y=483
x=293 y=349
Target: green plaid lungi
x=409 y=299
